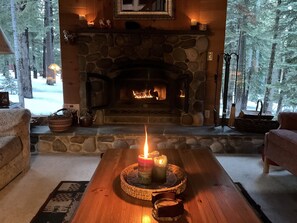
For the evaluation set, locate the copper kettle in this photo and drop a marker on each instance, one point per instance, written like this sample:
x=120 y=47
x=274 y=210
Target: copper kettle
x=86 y=120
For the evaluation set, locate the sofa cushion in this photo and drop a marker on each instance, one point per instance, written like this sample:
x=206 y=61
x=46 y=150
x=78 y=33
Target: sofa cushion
x=10 y=147
x=286 y=139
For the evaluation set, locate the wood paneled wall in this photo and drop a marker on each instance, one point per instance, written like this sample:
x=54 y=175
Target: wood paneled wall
x=210 y=12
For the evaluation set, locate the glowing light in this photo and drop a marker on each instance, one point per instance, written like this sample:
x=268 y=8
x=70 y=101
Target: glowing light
x=182 y=94
x=146 y=219
x=54 y=67
x=158 y=92
x=142 y=94
x=146 y=148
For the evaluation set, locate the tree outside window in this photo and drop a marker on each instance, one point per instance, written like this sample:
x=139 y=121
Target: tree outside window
x=32 y=28
x=263 y=33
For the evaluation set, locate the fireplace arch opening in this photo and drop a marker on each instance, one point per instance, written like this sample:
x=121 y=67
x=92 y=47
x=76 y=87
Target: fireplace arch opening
x=139 y=88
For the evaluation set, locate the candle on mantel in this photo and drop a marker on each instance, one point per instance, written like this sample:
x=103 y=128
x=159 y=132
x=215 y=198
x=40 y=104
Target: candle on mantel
x=91 y=24
x=145 y=165
x=194 y=24
x=159 y=169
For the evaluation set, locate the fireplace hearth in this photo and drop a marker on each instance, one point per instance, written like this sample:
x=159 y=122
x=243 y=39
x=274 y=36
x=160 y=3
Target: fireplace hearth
x=142 y=89
x=142 y=77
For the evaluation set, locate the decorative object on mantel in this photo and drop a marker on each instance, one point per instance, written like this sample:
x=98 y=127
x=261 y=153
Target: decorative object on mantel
x=105 y=23
x=69 y=37
x=194 y=24
x=202 y=27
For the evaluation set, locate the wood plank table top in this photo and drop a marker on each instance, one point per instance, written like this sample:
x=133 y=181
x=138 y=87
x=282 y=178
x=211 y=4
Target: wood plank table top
x=210 y=195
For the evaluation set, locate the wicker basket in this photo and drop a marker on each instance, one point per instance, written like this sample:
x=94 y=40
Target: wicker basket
x=255 y=125
x=130 y=185
x=60 y=122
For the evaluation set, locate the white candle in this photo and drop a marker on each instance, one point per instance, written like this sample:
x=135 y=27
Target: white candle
x=193 y=22
x=160 y=168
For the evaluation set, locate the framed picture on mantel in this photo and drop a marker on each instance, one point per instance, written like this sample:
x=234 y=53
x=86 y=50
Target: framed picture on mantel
x=144 y=9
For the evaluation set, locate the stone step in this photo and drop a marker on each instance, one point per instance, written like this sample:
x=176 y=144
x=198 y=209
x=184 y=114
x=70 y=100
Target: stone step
x=97 y=139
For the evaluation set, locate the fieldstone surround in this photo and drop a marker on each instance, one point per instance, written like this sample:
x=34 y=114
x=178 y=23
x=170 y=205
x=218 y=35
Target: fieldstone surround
x=100 y=51
x=96 y=140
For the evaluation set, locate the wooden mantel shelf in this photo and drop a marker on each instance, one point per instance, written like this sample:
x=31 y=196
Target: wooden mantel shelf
x=142 y=31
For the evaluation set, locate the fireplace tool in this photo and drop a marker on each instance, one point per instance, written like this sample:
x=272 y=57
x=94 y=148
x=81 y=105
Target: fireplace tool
x=215 y=112
x=227 y=58
x=233 y=106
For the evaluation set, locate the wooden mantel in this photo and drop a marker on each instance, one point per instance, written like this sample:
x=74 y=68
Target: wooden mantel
x=143 y=31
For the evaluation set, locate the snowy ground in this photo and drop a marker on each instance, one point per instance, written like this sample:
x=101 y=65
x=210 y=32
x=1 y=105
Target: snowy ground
x=46 y=99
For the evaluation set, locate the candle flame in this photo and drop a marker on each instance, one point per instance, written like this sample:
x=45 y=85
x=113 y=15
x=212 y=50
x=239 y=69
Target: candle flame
x=145 y=152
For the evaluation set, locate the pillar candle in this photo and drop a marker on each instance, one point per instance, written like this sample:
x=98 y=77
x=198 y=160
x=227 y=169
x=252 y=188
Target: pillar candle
x=145 y=167
x=194 y=24
x=160 y=169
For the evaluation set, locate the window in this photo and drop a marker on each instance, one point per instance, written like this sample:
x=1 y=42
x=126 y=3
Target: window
x=32 y=75
x=261 y=37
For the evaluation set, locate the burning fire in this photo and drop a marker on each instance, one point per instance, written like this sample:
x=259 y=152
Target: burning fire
x=142 y=94
x=159 y=93
x=182 y=94
x=145 y=149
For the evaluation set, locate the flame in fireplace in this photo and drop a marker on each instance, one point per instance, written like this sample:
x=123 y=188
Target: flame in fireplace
x=158 y=92
x=182 y=94
x=142 y=94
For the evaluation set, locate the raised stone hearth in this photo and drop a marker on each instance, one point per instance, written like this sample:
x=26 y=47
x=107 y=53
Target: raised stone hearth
x=96 y=140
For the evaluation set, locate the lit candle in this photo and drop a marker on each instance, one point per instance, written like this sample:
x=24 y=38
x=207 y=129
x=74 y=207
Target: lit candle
x=82 y=17
x=153 y=154
x=194 y=24
x=202 y=27
x=159 y=169
x=91 y=24
x=145 y=165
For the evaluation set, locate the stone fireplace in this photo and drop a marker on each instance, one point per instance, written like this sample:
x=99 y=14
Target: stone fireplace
x=141 y=76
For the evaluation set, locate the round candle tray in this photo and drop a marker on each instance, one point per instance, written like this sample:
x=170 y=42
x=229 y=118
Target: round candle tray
x=175 y=181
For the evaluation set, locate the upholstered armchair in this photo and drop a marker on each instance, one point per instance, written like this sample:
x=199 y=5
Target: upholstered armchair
x=281 y=144
x=14 y=143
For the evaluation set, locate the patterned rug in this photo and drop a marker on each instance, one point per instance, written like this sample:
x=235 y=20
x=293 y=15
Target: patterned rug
x=61 y=203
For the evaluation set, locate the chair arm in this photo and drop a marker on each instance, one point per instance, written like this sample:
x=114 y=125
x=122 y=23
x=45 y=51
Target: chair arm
x=16 y=122
x=287 y=120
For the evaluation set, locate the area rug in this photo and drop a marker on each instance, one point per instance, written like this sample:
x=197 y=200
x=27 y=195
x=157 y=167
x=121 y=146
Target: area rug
x=61 y=203
x=255 y=206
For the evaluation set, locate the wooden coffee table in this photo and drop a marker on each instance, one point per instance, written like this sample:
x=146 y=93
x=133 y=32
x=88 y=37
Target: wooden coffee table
x=210 y=195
